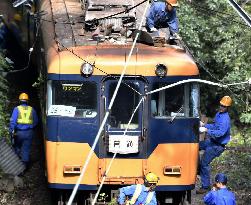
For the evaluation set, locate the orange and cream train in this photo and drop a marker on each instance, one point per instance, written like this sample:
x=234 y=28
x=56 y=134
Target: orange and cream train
x=82 y=71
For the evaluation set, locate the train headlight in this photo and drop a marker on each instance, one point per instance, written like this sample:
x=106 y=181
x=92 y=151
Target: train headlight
x=161 y=70
x=86 y=69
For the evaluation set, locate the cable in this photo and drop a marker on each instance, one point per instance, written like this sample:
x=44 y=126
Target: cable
x=142 y=99
x=205 y=69
x=198 y=81
x=106 y=114
x=125 y=11
x=30 y=52
x=106 y=17
x=241 y=12
x=109 y=75
x=217 y=12
x=115 y=154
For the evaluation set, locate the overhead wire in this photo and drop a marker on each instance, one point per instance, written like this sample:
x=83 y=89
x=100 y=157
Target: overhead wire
x=107 y=112
x=205 y=11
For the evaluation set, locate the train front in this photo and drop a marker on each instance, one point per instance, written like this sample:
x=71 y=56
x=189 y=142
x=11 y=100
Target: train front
x=162 y=136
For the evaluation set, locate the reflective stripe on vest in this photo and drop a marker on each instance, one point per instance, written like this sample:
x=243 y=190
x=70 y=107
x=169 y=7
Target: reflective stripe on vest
x=137 y=193
x=149 y=197
x=24 y=115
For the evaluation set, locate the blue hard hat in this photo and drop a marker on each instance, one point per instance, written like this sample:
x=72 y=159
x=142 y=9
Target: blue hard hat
x=220 y=177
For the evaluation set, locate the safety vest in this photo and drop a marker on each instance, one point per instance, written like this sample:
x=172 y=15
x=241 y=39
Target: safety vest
x=24 y=115
x=137 y=193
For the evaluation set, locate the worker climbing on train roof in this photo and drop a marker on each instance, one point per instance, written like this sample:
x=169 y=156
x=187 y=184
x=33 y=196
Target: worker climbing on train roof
x=140 y=194
x=218 y=135
x=220 y=195
x=162 y=14
x=22 y=123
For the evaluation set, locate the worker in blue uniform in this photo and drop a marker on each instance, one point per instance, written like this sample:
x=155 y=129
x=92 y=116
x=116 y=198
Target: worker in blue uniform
x=162 y=14
x=22 y=123
x=3 y=33
x=15 y=29
x=220 y=195
x=140 y=194
x=218 y=135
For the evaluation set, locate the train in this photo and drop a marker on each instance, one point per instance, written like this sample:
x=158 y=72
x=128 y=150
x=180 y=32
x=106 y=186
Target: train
x=83 y=48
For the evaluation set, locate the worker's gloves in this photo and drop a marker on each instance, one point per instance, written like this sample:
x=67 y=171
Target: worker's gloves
x=202 y=129
x=153 y=29
x=176 y=36
x=202 y=124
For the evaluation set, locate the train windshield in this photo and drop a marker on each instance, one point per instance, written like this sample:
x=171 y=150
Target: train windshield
x=124 y=105
x=72 y=99
x=178 y=101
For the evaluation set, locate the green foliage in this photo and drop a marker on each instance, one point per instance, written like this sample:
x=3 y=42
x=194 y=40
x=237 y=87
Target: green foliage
x=221 y=44
x=4 y=115
x=236 y=163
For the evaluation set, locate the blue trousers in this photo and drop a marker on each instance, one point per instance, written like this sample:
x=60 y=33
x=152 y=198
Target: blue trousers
x=212 y=151
x=22 y=145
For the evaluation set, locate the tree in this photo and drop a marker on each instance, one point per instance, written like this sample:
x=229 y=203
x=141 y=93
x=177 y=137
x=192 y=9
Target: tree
x=4 y=116
x=220 y=42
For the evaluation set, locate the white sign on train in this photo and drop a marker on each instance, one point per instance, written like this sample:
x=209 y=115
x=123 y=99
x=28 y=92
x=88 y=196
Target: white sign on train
x=62 y=110
x=123 y=144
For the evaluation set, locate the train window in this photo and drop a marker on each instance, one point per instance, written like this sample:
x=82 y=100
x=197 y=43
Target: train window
x=171 y=102
x=73 y=99
x=124 y=105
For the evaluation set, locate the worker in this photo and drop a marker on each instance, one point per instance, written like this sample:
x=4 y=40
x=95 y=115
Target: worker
x=22 y=123
x=220 y=195
x=3 y=33
x=162 y=14
x=140 y=194
x=218 y=135
x=15 y=28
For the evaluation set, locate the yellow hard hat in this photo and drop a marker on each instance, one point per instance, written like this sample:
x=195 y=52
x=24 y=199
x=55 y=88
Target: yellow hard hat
x=17 y=17
x=152 y=178
x=172 y=2
x=23 y=97
x=226 y=101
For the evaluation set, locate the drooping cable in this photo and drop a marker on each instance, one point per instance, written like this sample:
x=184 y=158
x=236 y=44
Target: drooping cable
x=198 y=81
x=31 y=49
x=107 y=112
x=109 y=75
x=205 y=69
x=142 y=99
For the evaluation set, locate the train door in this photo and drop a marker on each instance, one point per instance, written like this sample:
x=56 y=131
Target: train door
x=130 y=149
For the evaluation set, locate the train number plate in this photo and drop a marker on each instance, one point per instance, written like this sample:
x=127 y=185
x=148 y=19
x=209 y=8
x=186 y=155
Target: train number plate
x=123 y=144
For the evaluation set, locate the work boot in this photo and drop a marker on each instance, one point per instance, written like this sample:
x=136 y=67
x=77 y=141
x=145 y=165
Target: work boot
x=202 y=190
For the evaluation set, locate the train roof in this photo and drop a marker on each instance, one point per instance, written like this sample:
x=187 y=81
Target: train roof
x=69 y=38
